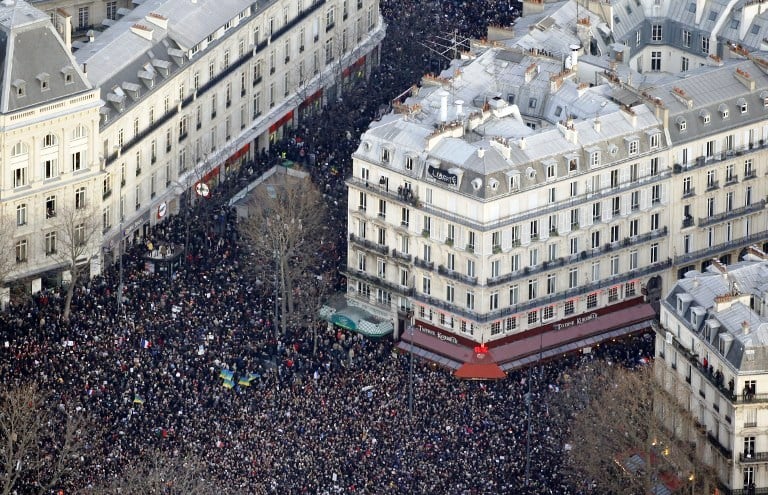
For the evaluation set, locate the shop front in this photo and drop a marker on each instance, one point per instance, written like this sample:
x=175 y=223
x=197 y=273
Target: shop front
x=469 y=359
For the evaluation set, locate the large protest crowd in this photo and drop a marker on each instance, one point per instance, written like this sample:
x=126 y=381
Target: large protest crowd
x=190 y=363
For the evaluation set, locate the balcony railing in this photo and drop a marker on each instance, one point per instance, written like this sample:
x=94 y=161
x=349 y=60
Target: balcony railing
x=724 y=451
x=559 y=206
x=381 y=282
x=712 y=185
x=727 y=215
x=380 y=248
x=689 y=222
x=753 y=457
x=543 y=301
x=719 y=157
x=715 y=251
x=690 y=192
x=442 y=270
x=400 y=255
x=427 y=265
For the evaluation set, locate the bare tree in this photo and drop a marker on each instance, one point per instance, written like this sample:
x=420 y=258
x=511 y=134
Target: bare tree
x=40 y=444
x=285 y=230
x=167 y=473
x=619 y=434
x=78 y=231
x=7 y=249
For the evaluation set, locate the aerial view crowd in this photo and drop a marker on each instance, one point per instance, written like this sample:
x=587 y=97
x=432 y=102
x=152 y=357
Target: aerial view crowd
x=191 y=364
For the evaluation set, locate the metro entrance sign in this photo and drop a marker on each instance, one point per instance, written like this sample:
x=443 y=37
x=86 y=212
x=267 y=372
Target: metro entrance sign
x=202 y=189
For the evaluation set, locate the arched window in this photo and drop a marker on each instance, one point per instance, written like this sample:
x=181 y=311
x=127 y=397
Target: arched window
x=19 y=149
x=49 y=140
x=79 y=132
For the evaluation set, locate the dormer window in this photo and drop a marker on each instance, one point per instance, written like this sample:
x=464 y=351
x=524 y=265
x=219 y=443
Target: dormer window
x=21 y=87
x=409 y=162
x=654 y=140
x=386 y=155
x=764 y=97
x=742 y=104
x=68 y=73
x=682 y=125
x=594 y=158
x=723 y=109
x=45 y=80
x=573 y=163
x=633 y=146
x=551 y=171
x=706 y=118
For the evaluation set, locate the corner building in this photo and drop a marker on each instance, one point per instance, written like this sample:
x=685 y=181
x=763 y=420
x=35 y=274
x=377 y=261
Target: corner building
x=155 y=107
x=711 y=357
x=541 y=195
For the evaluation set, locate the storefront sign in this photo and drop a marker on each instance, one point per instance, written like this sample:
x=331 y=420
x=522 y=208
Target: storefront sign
x=442 y=176
x=162 y=209
x=575 y=321
x=439 y=335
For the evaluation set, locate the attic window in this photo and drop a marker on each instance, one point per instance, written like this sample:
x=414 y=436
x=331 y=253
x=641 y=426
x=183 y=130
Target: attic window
x=409 y=162
x=755 y=29
x=713 y=15
x=68 y=79
x=21 y=87
x=44 y=79
x=705 y=116
x=742 y=103
x=682 y=125
x=723 y=109
x=386 y=155
x=692 y=7
x=573 y=163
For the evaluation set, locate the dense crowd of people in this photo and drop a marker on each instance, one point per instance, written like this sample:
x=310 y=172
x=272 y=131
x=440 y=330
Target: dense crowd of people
x=192 y=363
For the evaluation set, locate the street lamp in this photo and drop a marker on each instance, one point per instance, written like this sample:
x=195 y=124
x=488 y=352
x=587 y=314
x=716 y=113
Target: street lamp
x=410 y=379
x=120 y=271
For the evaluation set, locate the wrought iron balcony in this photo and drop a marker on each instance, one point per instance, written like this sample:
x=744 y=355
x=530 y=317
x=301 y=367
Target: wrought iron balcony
x=442 y=270
x=400 y=255
x=381 y=282
x=689 y=222
x=727 y=215
x=689 y=193
x=753 y=457
x=427 y=265
x=380 y=248
x=715 y=251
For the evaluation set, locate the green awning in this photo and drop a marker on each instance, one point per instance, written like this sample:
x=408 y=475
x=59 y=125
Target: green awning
x=355 y=319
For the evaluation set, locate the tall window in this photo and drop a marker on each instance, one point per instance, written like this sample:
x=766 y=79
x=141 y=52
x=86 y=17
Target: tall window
x=80 y=198
x=21 y=251
x=112 y=10
x=50 y=168
x=50 y=243
x=21 y=214
x=50 y=207
x=83 y=20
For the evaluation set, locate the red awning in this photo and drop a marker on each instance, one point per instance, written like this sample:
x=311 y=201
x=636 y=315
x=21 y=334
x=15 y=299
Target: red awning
x=214 y=172
x=480 y=371
x=239 y=153
x=528 y=349
x=311 y=99
x=623 y=318
x=280 y=123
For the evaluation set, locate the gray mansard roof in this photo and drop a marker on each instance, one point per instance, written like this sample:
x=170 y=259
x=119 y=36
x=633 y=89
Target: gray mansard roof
x=707 y=91
x=149 y=44
x=694 y=300
x=36 y=66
